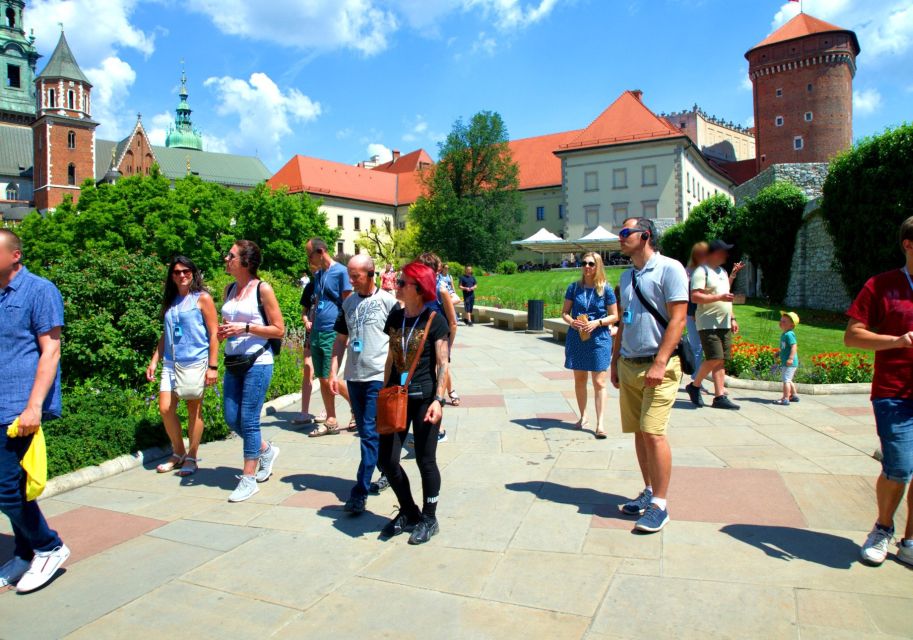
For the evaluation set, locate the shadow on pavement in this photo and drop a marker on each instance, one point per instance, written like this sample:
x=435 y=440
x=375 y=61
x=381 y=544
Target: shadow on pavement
x=588 y=501
x=352 y=525
x=330 y=484
x=789 y=543
x=542 y=424
x=283 y=420
x=222 y=477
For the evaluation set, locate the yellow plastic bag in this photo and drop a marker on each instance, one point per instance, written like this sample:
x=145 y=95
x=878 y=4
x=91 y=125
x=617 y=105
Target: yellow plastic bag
x=34 y=462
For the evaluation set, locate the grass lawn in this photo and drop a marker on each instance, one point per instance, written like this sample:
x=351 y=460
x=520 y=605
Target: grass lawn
x=819 y=331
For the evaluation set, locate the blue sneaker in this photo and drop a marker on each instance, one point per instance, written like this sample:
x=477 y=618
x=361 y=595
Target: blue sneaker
x=653 y=520
x=638 y=505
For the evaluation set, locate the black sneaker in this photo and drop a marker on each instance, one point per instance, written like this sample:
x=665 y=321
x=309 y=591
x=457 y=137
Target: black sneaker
x=381 y=484
x=695 y=394
x=356 y=505
x=723 y=402
x=423 y=531
x=397 y=525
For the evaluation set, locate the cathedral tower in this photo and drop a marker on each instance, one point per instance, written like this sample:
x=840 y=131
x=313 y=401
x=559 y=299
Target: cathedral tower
x=182 y=134
x=18 y=57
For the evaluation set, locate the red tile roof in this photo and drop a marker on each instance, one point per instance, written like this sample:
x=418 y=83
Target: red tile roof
x=407 y=163
x=800 y=26
x=539 y=166
x=326 y=178
x=626 y=120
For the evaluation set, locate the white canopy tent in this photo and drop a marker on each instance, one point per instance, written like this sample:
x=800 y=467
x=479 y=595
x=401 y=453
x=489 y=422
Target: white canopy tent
x=544 y=241
x=599 y=239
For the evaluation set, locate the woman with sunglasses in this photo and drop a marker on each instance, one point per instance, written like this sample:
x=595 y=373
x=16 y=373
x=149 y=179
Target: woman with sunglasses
x=190 y=322
x=590 y=309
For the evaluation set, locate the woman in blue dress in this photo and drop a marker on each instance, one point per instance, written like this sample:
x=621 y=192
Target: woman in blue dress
x=590 y=309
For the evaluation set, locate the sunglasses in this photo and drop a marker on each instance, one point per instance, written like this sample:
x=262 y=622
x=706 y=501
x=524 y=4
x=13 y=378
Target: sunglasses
x=402 y=283
x=625 y=233
x=589 y=263
x=180 y=273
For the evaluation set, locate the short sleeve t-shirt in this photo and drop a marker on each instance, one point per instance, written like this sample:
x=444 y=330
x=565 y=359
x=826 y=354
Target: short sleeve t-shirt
x=787 y=340
x=408 y=331
x=363 y=319
x=30 y=306
x=713 y=315
x=885 y=305
x=661 y=281
x=467 y=281
x=329 y=288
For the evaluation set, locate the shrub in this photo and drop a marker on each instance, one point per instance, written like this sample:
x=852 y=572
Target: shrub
x=507 y=267
x=838 y=368
x=456 y=270
x=715 y=217
x=749 y=360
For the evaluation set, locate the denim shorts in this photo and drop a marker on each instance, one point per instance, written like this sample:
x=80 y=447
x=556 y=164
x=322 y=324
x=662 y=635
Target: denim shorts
x=894 y=421
x=787 y=373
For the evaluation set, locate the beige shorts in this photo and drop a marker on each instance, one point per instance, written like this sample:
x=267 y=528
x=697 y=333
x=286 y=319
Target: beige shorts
x=646 y=409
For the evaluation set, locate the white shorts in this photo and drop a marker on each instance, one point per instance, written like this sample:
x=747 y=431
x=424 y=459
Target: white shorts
x=168 y=382
x=787 y=373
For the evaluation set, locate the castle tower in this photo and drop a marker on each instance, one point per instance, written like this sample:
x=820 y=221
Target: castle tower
x=182 y=134
x=18 y=57
x=802 y=75
x=63 y=131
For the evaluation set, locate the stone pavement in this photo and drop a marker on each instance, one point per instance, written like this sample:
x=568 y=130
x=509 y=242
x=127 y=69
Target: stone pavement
x=768 y=507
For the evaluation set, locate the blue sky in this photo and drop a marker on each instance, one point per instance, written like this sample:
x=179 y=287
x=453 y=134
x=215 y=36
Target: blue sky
x=343 y=79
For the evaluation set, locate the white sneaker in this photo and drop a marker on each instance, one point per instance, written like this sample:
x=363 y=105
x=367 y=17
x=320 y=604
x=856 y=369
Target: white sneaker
x=905 y=551
x=247 y=487
x=12 y=570
x=875 y=549
x=267 y=458
x=44 y=565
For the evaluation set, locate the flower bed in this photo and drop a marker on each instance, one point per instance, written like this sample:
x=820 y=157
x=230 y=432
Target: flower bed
x=762 y=362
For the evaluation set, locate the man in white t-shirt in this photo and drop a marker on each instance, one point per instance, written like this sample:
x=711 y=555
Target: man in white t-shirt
x=360 y=332
x=715 y=323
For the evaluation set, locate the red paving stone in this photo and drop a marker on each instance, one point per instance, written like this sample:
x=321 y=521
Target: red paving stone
x=852 y=411
x=558 y=375
x=481 y=401
x=312 y=499
x=88 y=531
x=727 y=496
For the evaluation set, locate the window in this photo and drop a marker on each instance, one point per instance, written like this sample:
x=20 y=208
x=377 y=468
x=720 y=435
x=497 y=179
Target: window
x=561 y=212
x=387 y=225
x=688 y=182
x=339 y=222
x=71 y=99
x=373 y=223
x=619 y=213
x=71 y=174
x=779 y=121
x=798 y=143
x=12 y=76
x=12 y=191
x=540 y=213
x=52 y=98
x=357 y=224
x=808 y=116
x=591 y=181
x=649 y=208
x=591 y=215
x=620 y=178
x=648 y=175
x=779 y=93
x=10 y=18
x=809 y=87
x=71 y=140
x=340 y=248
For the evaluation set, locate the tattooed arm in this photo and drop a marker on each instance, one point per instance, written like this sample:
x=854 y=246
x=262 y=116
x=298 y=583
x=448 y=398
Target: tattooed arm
x=442 y=355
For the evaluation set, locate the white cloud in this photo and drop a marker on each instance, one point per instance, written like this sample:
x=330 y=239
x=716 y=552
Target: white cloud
x=512 y=14
x=159 y=129
x=745 y=84
x=866 y=101
x=318 y=25
x=484 y=44
x=344 y=134
x=883 y=28
x=749 y=121
x=383 y=153
x=111 y=82
x=417 y=130
x=215 y=144
x=264 y=112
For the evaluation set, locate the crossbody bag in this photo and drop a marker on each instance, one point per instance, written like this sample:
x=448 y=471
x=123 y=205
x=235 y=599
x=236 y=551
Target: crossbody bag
x=683 y=351
x=393 y=401
x=190 y=378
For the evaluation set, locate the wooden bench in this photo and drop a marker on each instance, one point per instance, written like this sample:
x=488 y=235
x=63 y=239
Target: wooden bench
x=508 y=318
x=558 y=327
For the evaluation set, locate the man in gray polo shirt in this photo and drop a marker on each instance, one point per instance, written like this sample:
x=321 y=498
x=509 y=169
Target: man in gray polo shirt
x=360 y=331
x=645 y=367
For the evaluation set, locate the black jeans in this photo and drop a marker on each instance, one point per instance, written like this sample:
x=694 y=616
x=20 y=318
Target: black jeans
x=391 y=446
x=469 y=300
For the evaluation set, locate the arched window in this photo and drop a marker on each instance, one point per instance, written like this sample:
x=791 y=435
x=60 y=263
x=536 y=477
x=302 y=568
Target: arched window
x=71 y=174
x=10 y=18
x=71 y=140
x=52 y=98
x=12 y=191
x=71 y=99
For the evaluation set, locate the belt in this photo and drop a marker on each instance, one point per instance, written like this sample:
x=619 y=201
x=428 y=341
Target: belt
x=641 y=360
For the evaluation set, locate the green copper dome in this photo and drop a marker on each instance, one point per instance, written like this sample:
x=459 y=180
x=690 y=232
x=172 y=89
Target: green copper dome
x=182 y=135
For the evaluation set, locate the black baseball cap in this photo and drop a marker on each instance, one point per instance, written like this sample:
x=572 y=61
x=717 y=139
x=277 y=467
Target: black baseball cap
x=719 y=245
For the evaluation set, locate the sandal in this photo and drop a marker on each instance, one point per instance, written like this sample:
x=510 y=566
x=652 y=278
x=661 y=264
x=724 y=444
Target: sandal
x=326 y=429
x=582 y=424
x=174 y=461
x=600 y=434
x=189 y=467
x=454 y=398
x=353 y=426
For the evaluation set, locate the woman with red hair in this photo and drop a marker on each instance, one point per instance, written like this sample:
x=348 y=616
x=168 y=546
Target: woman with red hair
x=406 y=327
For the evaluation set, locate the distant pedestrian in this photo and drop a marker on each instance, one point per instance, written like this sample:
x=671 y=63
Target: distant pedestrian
x=654 y=297
x=388 y=279
x=308 y=310
x=590 y=309
x=789 y=357
x=697 y=261
x=360 y=337
x=468 y=286
x=716 y=324
x=32 y=312
x=250 y=319
x=881 y=320
x=190 y=339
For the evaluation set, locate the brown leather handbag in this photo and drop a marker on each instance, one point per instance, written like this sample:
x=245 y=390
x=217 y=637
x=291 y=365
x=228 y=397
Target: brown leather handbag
x=393 y=401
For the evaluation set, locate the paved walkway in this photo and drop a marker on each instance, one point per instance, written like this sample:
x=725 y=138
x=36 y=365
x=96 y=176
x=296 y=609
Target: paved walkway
x=768 y=507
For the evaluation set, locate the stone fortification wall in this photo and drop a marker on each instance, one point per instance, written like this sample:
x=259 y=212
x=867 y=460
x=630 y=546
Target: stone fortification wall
x=813 y=282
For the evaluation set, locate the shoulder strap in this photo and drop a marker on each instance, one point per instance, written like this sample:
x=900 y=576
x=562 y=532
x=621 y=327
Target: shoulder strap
x=649 y=307
x=260 y=306
x=421 y=347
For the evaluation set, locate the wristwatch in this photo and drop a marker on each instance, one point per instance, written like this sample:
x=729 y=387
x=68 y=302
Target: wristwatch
x=214 y=367
x=441 y=400
x=247 y=328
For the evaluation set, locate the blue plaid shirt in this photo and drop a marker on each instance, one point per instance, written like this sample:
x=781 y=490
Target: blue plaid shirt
x=29 y=306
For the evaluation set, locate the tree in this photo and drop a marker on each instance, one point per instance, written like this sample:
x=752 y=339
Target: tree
x=867 y=194
x=715 y=217
x=394 y=245
x=471 y=209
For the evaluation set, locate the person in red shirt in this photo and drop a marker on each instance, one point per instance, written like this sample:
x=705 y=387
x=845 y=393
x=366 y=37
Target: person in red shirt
x=881 y=319
x=388 y=279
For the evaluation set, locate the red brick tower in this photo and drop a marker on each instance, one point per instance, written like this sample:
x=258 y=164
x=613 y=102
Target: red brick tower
x=802 y=76
x=63 y=131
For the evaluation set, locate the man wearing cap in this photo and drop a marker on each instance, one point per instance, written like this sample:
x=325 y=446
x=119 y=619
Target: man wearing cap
x=715 y=323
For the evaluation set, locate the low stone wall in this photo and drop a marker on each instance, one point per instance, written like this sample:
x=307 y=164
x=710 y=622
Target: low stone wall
x=813 y=282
